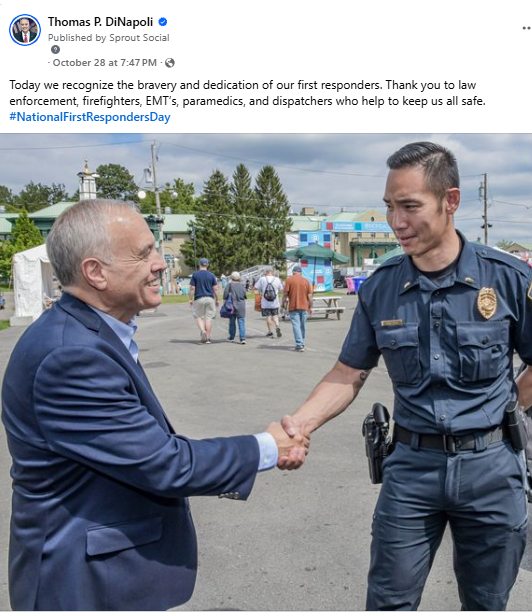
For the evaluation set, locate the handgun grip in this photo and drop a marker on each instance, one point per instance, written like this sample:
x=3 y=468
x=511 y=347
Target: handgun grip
x=380 y=414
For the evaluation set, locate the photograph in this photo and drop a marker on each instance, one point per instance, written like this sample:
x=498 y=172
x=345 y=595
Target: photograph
x=334 y=329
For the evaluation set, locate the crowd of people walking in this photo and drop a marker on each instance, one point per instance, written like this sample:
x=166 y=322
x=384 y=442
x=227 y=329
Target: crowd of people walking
x=294 y=297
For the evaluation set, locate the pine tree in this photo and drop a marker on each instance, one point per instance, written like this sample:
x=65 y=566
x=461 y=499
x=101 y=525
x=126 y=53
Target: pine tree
x=243 y=220
x=25 y=233
x=212 y=226
x=272 y=209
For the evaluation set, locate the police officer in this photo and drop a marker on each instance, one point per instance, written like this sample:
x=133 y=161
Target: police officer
x=446 y=316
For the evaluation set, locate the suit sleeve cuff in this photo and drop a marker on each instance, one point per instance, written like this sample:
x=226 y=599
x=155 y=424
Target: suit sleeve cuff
x=268 y=451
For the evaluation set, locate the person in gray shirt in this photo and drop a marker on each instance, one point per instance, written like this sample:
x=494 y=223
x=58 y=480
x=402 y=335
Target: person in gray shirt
x=238 y=292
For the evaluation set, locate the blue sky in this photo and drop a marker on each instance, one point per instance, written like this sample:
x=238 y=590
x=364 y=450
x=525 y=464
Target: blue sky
x=327 y=171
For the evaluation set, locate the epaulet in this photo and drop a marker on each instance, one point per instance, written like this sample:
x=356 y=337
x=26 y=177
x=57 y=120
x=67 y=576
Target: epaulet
x=486 y=252
x=390 y=262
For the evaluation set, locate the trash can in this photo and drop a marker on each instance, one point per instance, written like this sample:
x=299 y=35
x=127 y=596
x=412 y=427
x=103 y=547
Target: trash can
x=358 y=281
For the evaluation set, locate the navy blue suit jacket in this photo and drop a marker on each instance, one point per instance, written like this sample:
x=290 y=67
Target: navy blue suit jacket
x=100 y=516
x=20 y=37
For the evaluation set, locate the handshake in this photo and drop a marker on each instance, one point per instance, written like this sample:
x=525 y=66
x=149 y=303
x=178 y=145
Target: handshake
x=293 y=442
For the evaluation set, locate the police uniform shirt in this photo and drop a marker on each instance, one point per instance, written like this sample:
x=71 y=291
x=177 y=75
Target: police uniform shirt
x=448 y=354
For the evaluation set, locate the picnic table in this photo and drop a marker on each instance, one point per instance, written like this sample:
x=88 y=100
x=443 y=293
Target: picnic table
x=323 y=304
x=327 y=304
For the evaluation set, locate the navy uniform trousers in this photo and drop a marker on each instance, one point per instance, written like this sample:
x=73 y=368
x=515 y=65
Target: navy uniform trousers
x=479 y=493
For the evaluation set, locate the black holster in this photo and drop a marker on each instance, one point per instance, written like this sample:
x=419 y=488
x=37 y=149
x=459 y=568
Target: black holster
x=519 y=424
x=375 y=430
x=515 y=421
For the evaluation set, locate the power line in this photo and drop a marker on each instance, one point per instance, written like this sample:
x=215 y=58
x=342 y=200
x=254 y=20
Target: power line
x=257 y=162
x=72 y=147
x=528 y=207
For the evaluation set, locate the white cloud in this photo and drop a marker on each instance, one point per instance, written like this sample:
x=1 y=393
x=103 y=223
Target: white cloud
x=325 y=170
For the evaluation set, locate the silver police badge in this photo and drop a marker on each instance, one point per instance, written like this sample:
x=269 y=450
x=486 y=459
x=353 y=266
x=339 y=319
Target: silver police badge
x=487 y=302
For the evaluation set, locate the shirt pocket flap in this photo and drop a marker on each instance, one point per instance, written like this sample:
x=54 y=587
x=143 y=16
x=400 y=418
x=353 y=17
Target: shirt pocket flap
x=482 y=335
x=397 y=337
x=117 y=537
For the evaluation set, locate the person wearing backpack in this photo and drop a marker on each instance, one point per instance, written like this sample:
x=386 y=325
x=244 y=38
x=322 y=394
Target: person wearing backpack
x=238 y=294
x=269 y=286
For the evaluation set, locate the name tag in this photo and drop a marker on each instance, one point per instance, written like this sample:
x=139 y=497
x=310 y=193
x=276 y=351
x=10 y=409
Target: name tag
x=393 y=323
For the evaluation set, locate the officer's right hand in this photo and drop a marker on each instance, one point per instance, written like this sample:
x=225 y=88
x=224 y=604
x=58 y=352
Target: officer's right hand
x=295 y=428
x=292 y=449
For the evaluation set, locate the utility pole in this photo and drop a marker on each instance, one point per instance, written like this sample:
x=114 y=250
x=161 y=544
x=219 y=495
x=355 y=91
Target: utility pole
x=484 y=195
x=159 y=215
x=157 y=201
x=193 y=237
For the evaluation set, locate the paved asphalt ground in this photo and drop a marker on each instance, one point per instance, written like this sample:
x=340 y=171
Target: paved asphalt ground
x=301 y=541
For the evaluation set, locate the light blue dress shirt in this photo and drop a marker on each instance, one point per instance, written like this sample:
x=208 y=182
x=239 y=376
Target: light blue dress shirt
x=269 y=452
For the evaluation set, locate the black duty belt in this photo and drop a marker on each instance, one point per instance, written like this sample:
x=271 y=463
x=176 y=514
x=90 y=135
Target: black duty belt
x=449 y=443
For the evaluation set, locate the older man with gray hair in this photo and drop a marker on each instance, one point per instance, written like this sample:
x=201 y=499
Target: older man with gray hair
x=100 y=512
x=237 y=291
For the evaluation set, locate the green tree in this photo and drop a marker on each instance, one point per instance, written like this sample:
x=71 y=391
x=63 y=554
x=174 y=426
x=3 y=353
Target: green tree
x=6 y=257
x=115 y=182
x=35 y=197
x=24 y=235
x=212 y=226
x=6 y=196
x=273 y=222
x=179 y=197
x=504 y=244
x=243 y=220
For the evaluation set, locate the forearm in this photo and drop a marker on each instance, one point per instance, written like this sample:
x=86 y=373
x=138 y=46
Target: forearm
x=524 y=385
x=331 y=396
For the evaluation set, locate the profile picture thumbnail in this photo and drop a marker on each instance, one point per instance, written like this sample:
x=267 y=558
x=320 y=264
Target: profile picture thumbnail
x=25 y=30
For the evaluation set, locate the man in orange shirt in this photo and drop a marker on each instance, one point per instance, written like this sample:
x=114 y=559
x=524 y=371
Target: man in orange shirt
x=298 y=298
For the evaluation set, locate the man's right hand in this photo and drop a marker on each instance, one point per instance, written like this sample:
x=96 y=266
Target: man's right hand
x=296 y=429
x=292 y=449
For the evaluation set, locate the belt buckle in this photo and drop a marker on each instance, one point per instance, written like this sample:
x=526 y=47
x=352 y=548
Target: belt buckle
x=451 y=444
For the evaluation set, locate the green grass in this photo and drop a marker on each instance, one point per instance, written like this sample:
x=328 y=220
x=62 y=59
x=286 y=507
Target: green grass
x=183 y=299
x=174 y=299
x=4 y=325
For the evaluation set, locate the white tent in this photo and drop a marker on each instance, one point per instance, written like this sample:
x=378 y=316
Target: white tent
x=32 y=282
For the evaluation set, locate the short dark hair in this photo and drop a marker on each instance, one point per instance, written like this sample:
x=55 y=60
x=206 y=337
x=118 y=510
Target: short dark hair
x=438 y=163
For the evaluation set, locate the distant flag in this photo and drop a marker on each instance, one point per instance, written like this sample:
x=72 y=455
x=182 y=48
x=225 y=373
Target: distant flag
x=33 y=26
